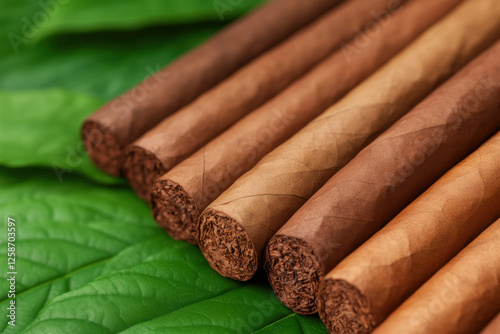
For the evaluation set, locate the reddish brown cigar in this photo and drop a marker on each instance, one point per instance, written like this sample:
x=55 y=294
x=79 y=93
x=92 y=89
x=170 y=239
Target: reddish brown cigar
x=385 y=177
x=460 y=298
x=179 y=136
x=364 y=288
x=493 y=327
x=117 y=124
x=184 y=192
x=264 y=198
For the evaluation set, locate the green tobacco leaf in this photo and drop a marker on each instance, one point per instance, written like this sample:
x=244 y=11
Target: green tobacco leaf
x=91 y=260
x=42 y=128
x=171 y=279
x=295 y=323
x=65 y=234
x=26 y=21
x=252 y=308
x=137 y=253
x=241 y=310
x=31 y=301
x=171 y=291
x=88 y=15
x=13 y=14
x=102 y=64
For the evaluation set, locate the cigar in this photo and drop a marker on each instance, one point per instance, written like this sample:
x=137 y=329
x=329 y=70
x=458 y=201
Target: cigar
x=364 y=288
x=117 y=124
x=460 y=298
x=185 y=191
x=493 y=327
x=182 y=134
x=261 y=201
x=386 y=176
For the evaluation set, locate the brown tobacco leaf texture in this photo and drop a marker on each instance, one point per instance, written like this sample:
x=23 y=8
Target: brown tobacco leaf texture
x=460 y=298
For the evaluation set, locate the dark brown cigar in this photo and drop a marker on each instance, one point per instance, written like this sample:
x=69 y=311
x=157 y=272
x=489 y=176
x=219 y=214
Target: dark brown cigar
x=106 y=132
x=182 y=134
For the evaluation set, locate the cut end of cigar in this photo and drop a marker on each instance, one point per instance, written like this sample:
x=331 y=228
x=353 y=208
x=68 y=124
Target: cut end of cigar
x=227 y=246
x=175 y=210
x=343 y=308
x=142 y=168
x=102 y=147
x=294 y=273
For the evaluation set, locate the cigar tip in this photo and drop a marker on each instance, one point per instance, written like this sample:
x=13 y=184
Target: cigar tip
x=226 y=245
x=174 y=210
x=294 y=272
x=343 y=308
x=102 y=147
x=142 y=168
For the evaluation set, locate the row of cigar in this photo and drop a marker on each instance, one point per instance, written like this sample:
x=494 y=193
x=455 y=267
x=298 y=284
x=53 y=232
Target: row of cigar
x=351 y=148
